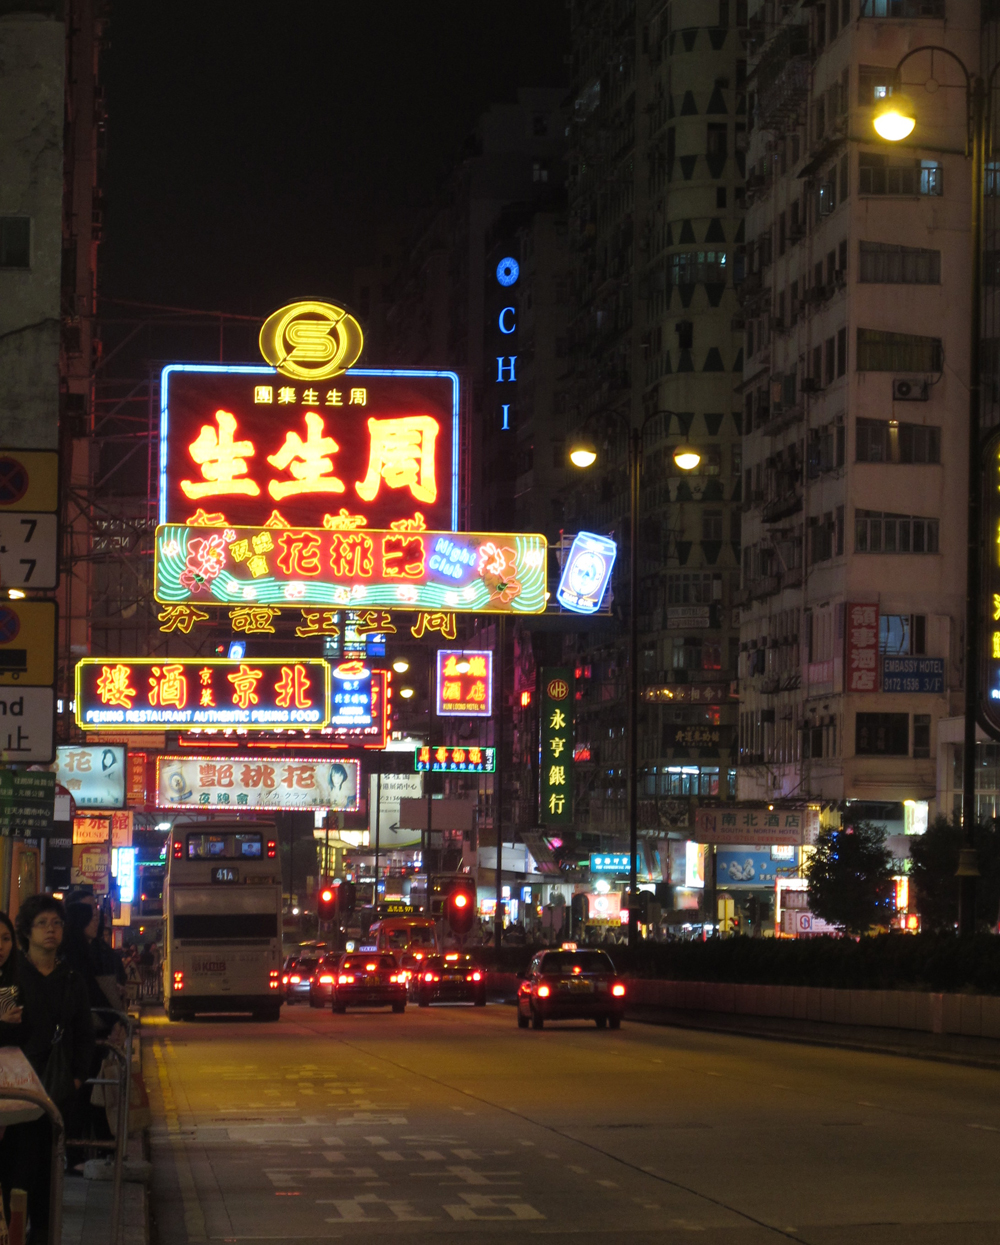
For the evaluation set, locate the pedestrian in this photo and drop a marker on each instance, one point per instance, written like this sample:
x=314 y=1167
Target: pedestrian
x=10 y=1004
x=57 y=1038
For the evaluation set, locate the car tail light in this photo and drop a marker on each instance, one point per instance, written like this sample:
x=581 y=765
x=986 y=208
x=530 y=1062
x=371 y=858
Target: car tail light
x=326 y=980
x=618 y=991
x=395 y=978
x=284 y=980
x=476 y=977
x=178 y=850
x=295 y=979
x=272 y=848
x=273 y=979
x=178 y=979
x=370 y=968
x=543 y=992
x=345 y=979
x=431 y=977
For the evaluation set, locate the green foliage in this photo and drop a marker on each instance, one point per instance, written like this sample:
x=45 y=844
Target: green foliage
x=850 y=877
x=935 y=859
x=937 y=962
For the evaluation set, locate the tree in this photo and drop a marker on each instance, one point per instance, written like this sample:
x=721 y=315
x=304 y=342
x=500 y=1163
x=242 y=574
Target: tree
x=850 y=877
x=932 y=873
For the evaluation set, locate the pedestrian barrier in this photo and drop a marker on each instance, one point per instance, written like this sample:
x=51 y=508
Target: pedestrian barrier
x=41 y=1099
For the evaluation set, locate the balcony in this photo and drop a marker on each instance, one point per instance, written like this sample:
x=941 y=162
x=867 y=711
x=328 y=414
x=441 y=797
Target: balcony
x=782 y=507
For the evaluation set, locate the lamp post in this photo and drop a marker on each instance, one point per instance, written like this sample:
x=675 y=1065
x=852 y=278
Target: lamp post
x=584 y=454
x=894 y=121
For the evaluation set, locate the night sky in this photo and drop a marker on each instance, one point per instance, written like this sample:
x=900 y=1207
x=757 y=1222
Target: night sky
x=258 y=151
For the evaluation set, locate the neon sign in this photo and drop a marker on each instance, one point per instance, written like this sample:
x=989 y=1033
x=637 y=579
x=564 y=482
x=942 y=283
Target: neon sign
x=586 y=573
x=311 y=340
x=464 y=684
x=455 y=760
x=236 y=782
x=989 y=645
x=468 y=572
x=149 y=694
x=244 y=445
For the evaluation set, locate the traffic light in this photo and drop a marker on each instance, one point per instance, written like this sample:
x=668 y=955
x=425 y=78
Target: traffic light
x=326 y=904
x=346 y=899
x=753 y=909
x=460 y=906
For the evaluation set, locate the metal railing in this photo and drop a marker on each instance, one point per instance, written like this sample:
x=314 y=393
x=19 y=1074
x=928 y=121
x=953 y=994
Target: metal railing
x=58 y=1153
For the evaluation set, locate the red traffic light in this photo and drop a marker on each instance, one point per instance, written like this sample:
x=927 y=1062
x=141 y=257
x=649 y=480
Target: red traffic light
x=326 y=904
x=460 y=900
x=460 y=906
x=326 y=895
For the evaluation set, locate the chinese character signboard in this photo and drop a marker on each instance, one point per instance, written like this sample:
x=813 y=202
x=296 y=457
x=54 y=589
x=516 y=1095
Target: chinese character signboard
x=351 y=699
x=740 y=824
x=93 y=775
x=27 y=801
x=92 y=829
x=413 y=570
x=989 y=647
x=464 y=684
x=362 y=449
x=443 y=760
x=556 y=723
x=913 y=674
x=861 y=639
x=234 y=783
x=610 y=862
x=148 y=694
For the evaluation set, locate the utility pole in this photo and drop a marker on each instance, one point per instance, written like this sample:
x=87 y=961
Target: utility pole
x=498 y=782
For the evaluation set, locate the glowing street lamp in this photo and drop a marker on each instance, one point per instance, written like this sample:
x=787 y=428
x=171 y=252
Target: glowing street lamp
x=895 y=118
x=583 y=453
x=687 y=457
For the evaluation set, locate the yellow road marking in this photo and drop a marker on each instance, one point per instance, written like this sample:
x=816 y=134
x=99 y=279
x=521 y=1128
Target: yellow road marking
x=194 y=1216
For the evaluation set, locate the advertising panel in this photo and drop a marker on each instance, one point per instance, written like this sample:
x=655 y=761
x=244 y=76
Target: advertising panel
x=459 y=760
x=556 y=768
x=27 y=801
x=478 y=572
x=147 y=693
x=91 y=866
x=387 y=790
x=236 y=783
x=586 y=573
x=366 y=448
x=737 y=867
x=94 y=775
x=861 y=638
x=464 y=684
x=610 y=862
x=913 y=674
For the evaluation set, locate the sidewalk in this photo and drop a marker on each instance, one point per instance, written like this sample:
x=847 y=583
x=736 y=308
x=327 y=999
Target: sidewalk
x=87 y=1213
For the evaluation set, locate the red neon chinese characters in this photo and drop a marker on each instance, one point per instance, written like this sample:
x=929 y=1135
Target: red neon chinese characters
x=244 y=683
x=352 y=555
x=168 y=686
x=221 y=459
x=403 y=557
x=308 y=461
x=402 y=454
x=291 y=688
x=299 y=553
x=113 y=686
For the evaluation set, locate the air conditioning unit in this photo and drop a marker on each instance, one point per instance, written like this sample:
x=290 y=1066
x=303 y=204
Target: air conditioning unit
x=910 y=390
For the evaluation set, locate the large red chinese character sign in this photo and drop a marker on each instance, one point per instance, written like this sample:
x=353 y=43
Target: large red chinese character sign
x=151 y=694
x=245 y=445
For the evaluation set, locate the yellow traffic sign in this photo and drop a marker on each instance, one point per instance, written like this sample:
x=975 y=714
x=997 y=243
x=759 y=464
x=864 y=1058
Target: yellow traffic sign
x=28 y=643
x=29 y=480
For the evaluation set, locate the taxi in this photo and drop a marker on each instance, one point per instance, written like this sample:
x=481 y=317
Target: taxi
x=368 y=979
x=454 y=977
x=572 y=983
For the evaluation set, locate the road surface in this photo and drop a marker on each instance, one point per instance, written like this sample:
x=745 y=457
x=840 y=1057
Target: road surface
x=373 y=1128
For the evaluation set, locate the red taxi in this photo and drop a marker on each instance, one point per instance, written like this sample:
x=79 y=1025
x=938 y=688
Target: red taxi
x=369 y=979
x=570 y=984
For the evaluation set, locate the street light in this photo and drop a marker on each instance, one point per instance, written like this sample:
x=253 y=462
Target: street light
x=895 y=120
x=583 y=453
x=401 y=665
x=406 y=693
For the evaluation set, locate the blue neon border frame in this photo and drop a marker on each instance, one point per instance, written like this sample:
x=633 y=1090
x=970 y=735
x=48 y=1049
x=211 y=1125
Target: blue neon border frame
x=256 y=369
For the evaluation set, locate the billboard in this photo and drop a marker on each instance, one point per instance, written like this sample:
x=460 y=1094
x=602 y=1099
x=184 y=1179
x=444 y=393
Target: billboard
x=586 y=573
x=478 y=572
x=246 y=782
x=149 y=694
x=464 y=684
x=756 y=825
x=366 y=448
x=737 y=867
x=458 y=760
x=556 y=769
x=94 y=775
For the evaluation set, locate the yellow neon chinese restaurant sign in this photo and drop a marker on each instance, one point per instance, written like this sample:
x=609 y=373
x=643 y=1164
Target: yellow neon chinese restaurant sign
x=311 y=340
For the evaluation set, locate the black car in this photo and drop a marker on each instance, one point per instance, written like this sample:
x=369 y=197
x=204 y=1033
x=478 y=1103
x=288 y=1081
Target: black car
x=454 y=977
x=570 y=984
x=321 y=982
x=369 y=979
x=295 y=977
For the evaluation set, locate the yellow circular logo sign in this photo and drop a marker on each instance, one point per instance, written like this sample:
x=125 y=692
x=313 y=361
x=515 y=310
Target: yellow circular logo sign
x=311 y=340
x=558 y=689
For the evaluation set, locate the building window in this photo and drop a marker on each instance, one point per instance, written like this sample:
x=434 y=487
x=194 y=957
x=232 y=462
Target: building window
x=902 y=8
x=921 y=734
x=15 y=241
x=874 y=84
x=539 y=172
x=891 y=175
x=882 y=734
x=878 y=532
x=882 y=263
x=841 y=351
x=902 y=635
x=686 y=653
x=693 y=588
x=888 y=441
x=691 y=267
x=711 y=525
x=879 y=351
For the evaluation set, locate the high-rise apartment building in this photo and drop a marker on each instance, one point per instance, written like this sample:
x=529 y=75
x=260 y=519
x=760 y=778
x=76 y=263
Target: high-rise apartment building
x=855 y=400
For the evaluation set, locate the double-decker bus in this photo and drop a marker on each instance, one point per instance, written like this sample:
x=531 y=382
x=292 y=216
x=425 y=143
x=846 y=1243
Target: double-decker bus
x=222 y=920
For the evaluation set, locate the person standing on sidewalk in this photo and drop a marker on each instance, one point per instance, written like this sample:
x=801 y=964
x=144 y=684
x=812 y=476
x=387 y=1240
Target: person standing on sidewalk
x=57 y=1038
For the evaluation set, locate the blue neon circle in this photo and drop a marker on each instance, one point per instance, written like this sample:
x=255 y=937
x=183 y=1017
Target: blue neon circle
x=508 y=270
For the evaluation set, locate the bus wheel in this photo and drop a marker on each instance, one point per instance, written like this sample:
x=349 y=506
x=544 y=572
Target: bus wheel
x=175 y=1011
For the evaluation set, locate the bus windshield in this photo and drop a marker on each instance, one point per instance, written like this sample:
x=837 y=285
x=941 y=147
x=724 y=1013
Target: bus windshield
x=243 y=846
x=411 y=936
